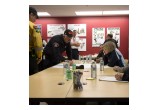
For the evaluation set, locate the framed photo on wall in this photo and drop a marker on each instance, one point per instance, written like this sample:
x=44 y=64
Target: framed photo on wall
x=98 y=36
x=81 y=29
x=82 y=46
x=55 y=29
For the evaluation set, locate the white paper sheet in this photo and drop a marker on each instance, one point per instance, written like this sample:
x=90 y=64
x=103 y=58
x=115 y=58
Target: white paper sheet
x=89 y=65
x=58 y=66
x=110 y=78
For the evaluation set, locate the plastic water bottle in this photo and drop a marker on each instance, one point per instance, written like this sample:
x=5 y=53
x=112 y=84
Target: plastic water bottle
x=73 y=66
x=93 y=70
x=68 y=74
x=87 y=58
x=101 y=65
x=90 y=58
x=83 y=59
x=79 y=58
x=66 y=66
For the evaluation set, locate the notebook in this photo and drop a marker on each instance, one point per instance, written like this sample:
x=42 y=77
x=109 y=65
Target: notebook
x=110 y=78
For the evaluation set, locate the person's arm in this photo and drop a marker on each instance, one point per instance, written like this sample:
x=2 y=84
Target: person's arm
x=120 y=69
x=126 y=75
x=76 y=43
x=100 y=54
x=119 y=76
x=37 y=44
x=123 y=76
x=56 y=53
x=112 y=59
x=44 y=43
x=116 y=42
x=69 y=51
x=105 y=59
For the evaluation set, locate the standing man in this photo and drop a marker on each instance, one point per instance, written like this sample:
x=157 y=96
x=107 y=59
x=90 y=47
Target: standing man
x=56 y=46
x=75 y=43
x=109 y=37
x=35 y=42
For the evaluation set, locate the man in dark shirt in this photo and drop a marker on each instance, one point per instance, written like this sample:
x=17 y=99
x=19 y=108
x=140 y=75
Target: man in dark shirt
x=110 y=38
x=56 y=46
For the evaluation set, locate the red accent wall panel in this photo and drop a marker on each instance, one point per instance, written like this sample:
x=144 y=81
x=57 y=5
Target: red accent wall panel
x=93 y=22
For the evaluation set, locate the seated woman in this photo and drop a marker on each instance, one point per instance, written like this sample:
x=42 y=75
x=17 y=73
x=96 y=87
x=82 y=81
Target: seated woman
x=113 y=57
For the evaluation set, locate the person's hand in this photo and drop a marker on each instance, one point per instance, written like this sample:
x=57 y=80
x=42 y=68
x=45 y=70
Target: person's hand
x=70 y=62
x=97 y=60
x=39 y=60
x=116 y=68
x=77 y=44
x=101 y=46
x=119 y=76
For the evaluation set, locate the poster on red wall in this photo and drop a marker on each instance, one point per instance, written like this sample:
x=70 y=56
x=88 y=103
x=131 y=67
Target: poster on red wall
x=80 y=28
x=98 y=36
x=55 y=29
x=82 y=46
x=115 y=31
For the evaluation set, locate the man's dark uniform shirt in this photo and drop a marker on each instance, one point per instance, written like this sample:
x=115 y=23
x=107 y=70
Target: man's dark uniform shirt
x=54 y=49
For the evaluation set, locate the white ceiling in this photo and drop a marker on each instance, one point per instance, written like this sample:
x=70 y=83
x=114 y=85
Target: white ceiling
x=69 y=10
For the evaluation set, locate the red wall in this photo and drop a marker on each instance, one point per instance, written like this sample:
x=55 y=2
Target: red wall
x=93 y=22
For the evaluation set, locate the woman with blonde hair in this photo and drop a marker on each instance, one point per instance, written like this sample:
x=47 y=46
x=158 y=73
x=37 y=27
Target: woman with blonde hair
x=113 y=57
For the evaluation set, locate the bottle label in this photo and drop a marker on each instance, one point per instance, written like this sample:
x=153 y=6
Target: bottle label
x=68 y=74
x=93 y=71
x=74 y=67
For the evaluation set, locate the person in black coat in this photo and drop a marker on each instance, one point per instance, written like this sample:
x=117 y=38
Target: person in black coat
x=113 y=57
x=55 y=48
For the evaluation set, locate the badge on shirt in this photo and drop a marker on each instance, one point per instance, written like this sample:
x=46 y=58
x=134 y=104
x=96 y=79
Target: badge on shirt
x=37 y=29
x=56 y=44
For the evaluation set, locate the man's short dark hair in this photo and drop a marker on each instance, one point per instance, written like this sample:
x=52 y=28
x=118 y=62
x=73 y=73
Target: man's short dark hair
x=34 y=11
x=68 y=32
x=110 y=35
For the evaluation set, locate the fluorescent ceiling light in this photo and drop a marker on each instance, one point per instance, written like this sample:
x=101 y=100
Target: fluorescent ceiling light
x=120 y=12
x=88 y=13
x=43 y=14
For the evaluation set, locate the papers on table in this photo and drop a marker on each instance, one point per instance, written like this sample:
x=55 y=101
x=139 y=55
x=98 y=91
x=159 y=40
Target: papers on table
x=110 y=78
x=58 y=66
x=89 y=65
